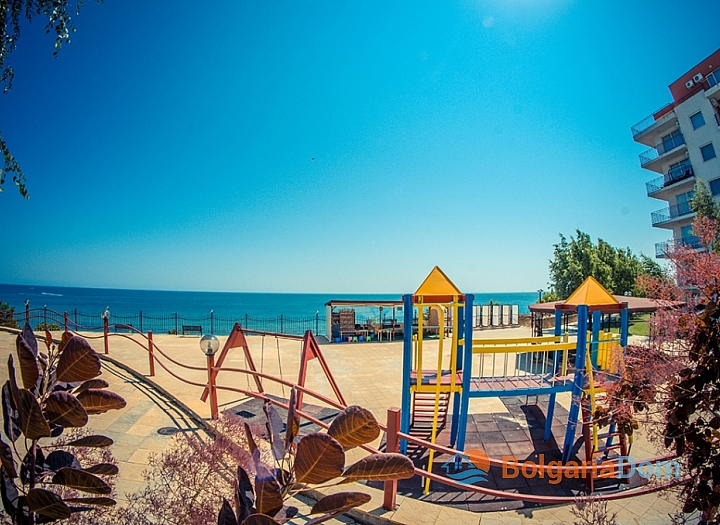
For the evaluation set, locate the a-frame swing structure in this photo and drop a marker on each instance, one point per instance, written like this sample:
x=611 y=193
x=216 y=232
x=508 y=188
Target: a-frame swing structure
x=310 y=350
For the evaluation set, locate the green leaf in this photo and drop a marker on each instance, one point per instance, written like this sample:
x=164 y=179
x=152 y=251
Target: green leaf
x=62 y=408
x=48 y=504
x=78 y=361
x=380 y=467
x=103 y=469
x=96 y=441
x=100 y=502
x=100 y=401
x=268 y=496
x=32 y=422
x=319 y=458
x=354 y=426
x=80 y=480
x=29 y=369
x=340 y=502
x=8 y=462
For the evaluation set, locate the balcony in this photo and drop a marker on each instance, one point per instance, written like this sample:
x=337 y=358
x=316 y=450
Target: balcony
x=662 y=248
x=669 y=149
x=671 y=213
x=676 y=174
x=647 y=129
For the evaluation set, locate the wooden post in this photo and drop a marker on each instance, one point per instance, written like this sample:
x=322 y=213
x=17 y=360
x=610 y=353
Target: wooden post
x=211 y=387
x=150 y=353
x=392 y=445
x=105 y=334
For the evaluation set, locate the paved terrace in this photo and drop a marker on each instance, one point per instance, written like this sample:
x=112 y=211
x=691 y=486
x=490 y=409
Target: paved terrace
x=368 y=374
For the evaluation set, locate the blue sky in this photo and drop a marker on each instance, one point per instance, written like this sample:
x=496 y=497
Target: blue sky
x=169 y=147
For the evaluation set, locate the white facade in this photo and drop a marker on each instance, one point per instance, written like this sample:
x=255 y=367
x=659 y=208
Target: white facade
x=684 y=140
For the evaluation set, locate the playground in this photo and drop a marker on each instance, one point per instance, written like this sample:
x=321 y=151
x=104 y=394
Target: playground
x=500 y=395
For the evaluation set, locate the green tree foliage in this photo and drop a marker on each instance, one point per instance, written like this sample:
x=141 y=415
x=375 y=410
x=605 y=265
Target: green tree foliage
x=58 y=20
x=7 y=315
x=615 y=268
x=702 y=202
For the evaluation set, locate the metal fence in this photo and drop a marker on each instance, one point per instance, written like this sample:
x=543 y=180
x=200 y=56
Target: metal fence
x=172 y=323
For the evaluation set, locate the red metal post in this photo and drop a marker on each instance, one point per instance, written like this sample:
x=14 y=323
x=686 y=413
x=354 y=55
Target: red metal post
x=392 y=445
x=66 y=321
x=150 y=353
x=214 y=412
x=105 y=335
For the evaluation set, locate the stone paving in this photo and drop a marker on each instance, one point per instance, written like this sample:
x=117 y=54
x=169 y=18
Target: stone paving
x=368 y=374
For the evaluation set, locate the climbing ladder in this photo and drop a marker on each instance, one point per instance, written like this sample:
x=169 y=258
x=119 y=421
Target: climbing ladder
x=423 y=408
x=596 y=414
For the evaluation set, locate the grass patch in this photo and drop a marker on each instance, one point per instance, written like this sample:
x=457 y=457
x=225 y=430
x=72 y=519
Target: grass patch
x=638 y=325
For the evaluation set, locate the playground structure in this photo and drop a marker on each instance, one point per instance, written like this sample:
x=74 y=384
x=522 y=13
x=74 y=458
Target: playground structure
x=530 y=366
x=445 y=295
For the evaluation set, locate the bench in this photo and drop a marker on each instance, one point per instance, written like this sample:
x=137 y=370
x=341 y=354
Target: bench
x=121 y=326
x=192 y=329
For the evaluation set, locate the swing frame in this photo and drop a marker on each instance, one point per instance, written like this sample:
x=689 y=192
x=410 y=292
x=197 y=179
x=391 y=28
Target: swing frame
x=310 y=350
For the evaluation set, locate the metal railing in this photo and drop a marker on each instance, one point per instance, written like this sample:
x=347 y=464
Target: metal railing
x=173 y=323
x=661 y=149
x=670 y=213
x=673 y=175
x=646 y=123
x=663 y=248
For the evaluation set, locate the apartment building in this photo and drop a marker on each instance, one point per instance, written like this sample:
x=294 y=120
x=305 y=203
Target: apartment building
x=684 y=144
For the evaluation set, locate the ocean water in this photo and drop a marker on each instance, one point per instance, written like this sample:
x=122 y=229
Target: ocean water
x=192 y=304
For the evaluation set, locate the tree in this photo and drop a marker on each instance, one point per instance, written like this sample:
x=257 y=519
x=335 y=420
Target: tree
x=703 y=203
x=615 y=268
x=59 y=21
x=677 y=373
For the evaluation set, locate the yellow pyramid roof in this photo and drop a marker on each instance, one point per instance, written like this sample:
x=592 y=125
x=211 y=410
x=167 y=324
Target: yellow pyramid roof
x=591 y=293
x=437 y=284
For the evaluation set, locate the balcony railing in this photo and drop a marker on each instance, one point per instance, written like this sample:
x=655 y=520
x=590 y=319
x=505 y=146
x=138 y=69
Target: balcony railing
x=673 y=175
x=661 y=149
x=670 y=213
x=663 y=248
x=646 y=122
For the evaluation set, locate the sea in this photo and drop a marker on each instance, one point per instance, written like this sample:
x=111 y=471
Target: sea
x=124 y=304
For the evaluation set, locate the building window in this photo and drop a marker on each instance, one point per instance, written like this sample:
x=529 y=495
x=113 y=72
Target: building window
x=708 y=152
x=683 y=202
x=713 y=78
x=697 y=120
x=715 y=186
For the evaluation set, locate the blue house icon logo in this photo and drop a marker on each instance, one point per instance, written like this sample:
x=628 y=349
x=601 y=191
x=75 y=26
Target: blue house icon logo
x=468 y=468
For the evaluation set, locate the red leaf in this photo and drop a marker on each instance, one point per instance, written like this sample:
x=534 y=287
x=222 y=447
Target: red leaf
x=100 y=401
x=319 y=458
x=78 y=361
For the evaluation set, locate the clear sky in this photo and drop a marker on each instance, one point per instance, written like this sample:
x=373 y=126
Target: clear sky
x=171 y=144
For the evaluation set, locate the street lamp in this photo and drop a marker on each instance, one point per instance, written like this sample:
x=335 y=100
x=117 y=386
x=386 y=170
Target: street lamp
x=105 y=316
x=540 y=291
x=209 y=344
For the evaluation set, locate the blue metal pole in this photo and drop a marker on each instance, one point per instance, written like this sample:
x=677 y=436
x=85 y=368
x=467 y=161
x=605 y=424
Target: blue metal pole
x=467 y=372
x=596 y=315
x=458 y=364
x=624 y=324
x=407 y=368
x=578 y=382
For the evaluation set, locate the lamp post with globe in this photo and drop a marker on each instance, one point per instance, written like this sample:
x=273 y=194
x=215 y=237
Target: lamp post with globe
x=209 y=344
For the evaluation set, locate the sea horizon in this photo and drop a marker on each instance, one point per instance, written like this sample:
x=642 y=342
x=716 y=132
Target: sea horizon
x=259 y=304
